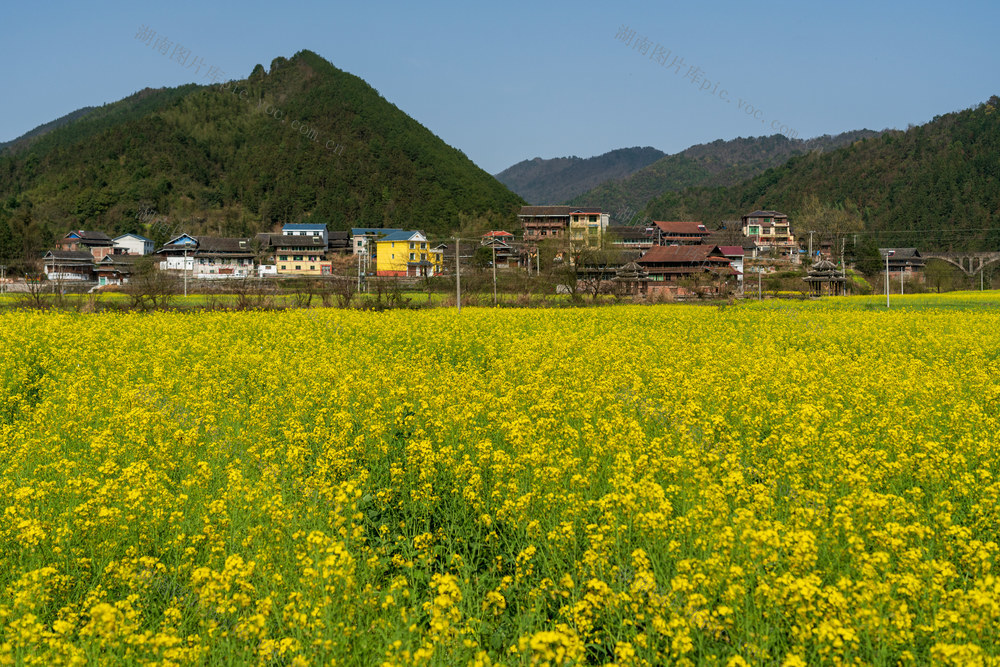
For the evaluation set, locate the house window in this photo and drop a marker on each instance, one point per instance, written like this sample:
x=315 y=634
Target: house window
x=392 y=256
x=423 y=255
x=284 y=258
x=359 y=243
x=423 y=245
x=412 y=245
x=593 y=218
x=413 y=256
x=297 y=258
x=312 y=267
x=298 y=267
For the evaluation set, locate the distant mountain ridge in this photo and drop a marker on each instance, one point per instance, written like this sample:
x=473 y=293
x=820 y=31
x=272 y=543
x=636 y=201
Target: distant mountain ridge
x=24 y=139
x=718 y=163
x=540 y=181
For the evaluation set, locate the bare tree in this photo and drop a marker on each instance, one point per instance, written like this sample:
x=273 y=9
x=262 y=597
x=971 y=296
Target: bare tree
x=149 y=288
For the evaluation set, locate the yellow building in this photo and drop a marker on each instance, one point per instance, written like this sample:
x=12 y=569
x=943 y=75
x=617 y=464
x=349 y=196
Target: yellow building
x=301 y=255
x=406 y=254
x=587 y=227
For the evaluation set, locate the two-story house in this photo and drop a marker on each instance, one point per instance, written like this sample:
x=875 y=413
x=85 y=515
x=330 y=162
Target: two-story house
x=303 y=255
x=98 y=244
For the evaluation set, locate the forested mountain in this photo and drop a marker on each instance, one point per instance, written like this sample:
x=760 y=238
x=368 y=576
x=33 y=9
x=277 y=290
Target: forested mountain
x=717 y=163
x=25 y=138
x=941 y=178
x=560 y=179
x=302 y=141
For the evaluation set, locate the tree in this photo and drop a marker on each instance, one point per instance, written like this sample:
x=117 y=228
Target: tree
x=867 y=258
x=148 y=287
x=938 y=274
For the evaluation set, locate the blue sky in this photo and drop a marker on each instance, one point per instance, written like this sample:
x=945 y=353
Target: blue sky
x=509 y=81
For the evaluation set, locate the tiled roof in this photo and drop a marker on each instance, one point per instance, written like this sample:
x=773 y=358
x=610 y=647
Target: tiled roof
x=96 y=237
x=532 y=211
x=679 y=253
x=681 y=227
x=222 y=244
x=70 y=255
x=304 y=241
x=400 y=236
x=901 y=253
x=731 y=250
x=766 y=214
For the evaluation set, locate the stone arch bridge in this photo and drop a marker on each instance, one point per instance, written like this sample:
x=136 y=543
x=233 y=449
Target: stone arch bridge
x=970 y=262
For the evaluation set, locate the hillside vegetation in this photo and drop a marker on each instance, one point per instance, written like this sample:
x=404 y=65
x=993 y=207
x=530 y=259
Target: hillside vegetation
x=935 y=186
x=300 y=141
x=719 y=163
x=560 y=179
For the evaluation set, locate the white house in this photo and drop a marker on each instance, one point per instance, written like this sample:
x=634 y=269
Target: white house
x=734 y=253
x=133 y=244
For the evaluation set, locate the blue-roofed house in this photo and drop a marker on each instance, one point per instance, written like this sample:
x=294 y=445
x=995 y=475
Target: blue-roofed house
x=303 y=229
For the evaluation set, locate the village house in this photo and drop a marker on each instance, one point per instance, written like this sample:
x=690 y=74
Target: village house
x=208 y=257
x=406 y=254
x=499 y=242
x=584 y=226
x=98 y=244
x=302 y=229
x=68 y=265
x=674 y=269
x=770 y=232
x=905 y=263
x=734 y=254
x=132 y=244
x=114 y=269
x=631 y=238
x=302 y=255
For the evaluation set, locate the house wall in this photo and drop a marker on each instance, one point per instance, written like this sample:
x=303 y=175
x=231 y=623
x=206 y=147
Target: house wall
x=135 y=246
x=393 y=257
x=308 y=264
x=222 y=267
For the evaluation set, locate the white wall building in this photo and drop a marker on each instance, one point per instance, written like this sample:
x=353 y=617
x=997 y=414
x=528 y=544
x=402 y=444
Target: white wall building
x=133 y=244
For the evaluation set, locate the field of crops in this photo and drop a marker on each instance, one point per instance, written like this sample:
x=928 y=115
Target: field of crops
x=766 y=483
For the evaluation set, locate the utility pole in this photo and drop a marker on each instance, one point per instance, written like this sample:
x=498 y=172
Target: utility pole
x=811 y=246
x=843 y=266
x=458 y=276
x=494 y=248
x=888 y=253
x=3 y=279
x=760 y=270
x=185 y=272
x=359 y=272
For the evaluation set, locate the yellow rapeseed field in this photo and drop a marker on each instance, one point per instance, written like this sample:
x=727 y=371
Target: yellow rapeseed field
x=759 y=484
